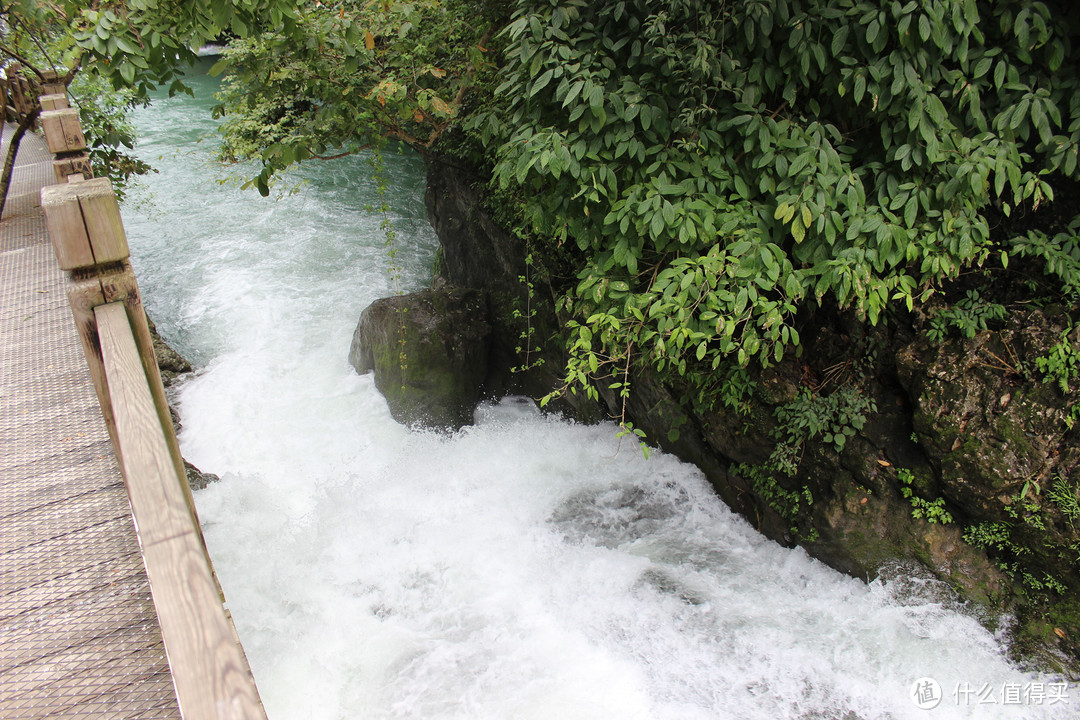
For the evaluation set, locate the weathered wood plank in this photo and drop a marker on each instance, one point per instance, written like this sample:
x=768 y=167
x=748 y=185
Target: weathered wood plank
x=84 y=223
x=54 y=101
x=63 y=133
x=104 y=226
x=52 y=83
x=209 y=667
x=66 y=168
x=157 y=501
x=63 y=216
x=210 y=671
x=122 y=286
x=84 y=296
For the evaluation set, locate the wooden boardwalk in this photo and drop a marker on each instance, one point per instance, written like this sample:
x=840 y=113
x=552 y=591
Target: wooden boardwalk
x=79 y=637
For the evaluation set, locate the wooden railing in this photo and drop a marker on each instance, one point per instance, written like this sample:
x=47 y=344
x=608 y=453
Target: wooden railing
x=210 y=672
x=22 y=93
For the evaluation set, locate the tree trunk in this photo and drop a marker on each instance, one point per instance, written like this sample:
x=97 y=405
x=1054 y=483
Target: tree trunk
x=13 y=150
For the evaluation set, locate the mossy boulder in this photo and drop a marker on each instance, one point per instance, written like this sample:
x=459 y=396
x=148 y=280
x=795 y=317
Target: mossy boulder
x=429 y=352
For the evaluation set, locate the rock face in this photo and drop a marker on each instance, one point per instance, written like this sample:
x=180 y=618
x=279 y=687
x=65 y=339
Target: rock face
x=984 y=424
x=955 y=428
x=429 y=352
x=170 y=363
x=481 y=333
x=525 y=357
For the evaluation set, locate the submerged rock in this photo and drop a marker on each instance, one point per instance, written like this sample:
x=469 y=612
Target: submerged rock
x=429 y=352
x=171 y=364
x=198 y=479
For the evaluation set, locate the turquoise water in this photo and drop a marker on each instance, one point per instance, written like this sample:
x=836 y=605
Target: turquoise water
x=525 y=567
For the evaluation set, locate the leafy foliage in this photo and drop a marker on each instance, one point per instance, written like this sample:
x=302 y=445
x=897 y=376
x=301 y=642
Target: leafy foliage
x=1062 y=365
x=969 y=316
x=1036 y=537
x=103 y=115
x=719 y=165
x=113 y=52
x=834 y=418
x=933 y=511
x=134 y=45
x=348 y=74
x=1064 y=494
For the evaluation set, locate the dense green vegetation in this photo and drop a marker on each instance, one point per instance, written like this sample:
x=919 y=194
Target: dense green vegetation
x=720 y=166
x=712 y=168
x=347 y=76
x=709 y=170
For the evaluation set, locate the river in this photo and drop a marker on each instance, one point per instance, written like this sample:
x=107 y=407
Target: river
x=524 y=567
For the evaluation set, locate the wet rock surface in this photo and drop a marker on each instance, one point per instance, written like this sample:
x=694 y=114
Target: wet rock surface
x=429 y=352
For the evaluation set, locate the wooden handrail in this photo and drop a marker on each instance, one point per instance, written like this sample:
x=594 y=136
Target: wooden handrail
x=210 y=672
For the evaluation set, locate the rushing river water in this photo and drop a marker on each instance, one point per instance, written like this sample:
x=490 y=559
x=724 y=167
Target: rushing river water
x=525 y=567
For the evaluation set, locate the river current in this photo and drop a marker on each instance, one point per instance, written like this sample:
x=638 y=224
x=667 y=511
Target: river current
x=524 y=567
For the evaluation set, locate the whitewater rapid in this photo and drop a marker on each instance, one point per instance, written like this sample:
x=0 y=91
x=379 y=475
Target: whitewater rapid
x=525 y=567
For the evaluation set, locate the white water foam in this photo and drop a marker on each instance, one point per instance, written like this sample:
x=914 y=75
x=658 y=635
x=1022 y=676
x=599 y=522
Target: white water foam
x=525 y=567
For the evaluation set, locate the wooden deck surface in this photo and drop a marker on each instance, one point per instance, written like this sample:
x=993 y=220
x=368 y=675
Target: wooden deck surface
x=79 y=637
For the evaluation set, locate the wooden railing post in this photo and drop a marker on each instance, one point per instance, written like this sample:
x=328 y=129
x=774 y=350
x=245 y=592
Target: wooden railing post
x=58 y=101
x=64 y=135
x=210 y=671
x=15 y=88
x=10 y=113
x=52 y=83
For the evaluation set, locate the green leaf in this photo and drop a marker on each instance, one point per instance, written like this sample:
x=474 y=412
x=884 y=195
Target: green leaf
x=839 y=40
x=798 y=231
x=541 y=82
x=219 y=67
x=911 y=76
x=872 y=31
x=572 y=93
x=860 y=88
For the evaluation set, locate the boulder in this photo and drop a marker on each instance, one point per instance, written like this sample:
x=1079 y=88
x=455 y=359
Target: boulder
x=171 y=364
x=429 y=352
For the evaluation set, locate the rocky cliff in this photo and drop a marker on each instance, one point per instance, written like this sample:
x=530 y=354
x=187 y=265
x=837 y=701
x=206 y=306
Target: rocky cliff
x=908 y=442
